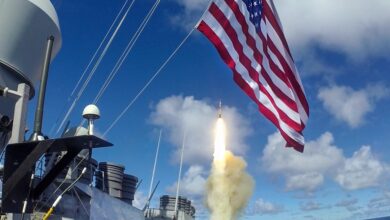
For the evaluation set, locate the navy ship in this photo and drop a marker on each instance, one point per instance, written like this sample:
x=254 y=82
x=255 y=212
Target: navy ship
x=56 y=178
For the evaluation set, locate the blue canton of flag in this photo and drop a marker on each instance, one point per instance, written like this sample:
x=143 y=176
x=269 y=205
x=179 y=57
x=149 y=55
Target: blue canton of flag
x=255 y=9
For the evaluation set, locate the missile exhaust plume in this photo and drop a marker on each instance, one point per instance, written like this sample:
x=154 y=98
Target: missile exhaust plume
x=229 y=186
x=219 y=141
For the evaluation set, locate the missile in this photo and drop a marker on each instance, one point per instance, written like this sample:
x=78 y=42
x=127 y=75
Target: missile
x=220 y=109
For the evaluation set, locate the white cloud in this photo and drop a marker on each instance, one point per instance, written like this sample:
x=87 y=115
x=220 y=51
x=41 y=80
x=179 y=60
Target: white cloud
x=307 y=181
x=322 y=159
x=378 y=206
x=386 y=194
x=262 y=207
x=312 y=205
x=192 y=10
x=347 y=202
x=352 y=27
x=139 y=199
x=192 y=184
x=349 y=105
x=302 y=171
x=193 y=5
x=362 y=170
x=321 y=154
x=316 y=64
x=177 y=114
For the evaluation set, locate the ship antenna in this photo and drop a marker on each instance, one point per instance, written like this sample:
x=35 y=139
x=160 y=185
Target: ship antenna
x=155 y=164
x=37 y=134
x=179 y=178
x=139 y=184
x=150 y=197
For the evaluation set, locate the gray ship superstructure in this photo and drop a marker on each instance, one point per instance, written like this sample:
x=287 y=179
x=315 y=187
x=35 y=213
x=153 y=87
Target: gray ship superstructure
x=55 y=178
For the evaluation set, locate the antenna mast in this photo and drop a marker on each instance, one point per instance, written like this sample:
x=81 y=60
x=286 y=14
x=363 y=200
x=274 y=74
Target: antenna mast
x=155 y=164
x=179 y=179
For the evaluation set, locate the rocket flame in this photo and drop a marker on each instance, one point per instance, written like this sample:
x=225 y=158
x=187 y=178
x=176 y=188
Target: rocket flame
x=220 y=140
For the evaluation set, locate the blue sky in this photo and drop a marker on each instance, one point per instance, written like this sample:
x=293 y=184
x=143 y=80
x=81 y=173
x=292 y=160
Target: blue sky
x=341 y=50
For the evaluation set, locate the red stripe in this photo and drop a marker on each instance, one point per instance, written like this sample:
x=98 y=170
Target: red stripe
x=267 y=11
x=258 y=57
x=267 y=113
x=245 y=29
x=267 y=43
x=231 y=33
x=224 y=22
x=277 y=71
x=283 y=116
x=291 y=76
x=209 y=33
x=290 y=141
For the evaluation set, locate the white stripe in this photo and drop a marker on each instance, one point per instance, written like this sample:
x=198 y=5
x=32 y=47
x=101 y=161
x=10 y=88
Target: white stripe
x=249 y=53
x=301 y=110
x=285 y=54
x=259 y=46
x=274 y=36
x=270 y=4
x=293 y=67
x=219 y=31
x=275 y=59
x=288 y=57
x=278 y=43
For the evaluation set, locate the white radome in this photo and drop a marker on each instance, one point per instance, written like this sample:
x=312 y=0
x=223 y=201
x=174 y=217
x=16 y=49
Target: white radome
x=91 y=112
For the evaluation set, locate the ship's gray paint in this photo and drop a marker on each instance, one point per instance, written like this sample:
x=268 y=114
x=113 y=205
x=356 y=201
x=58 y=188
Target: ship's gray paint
x=19 y=124
x=25 y=26
x=105 y=207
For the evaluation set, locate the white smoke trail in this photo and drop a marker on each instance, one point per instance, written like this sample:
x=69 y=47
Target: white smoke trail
x=229 y=186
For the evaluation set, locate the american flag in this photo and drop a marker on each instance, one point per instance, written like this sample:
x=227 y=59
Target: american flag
x=249 y=37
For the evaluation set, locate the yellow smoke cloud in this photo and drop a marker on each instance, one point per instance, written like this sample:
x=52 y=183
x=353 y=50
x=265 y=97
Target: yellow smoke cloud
x=229 y=186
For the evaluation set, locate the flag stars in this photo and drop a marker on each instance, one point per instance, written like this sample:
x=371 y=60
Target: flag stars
x=254 y=8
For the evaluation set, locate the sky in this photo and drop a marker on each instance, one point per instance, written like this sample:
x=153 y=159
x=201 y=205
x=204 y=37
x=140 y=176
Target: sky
x=341 y=51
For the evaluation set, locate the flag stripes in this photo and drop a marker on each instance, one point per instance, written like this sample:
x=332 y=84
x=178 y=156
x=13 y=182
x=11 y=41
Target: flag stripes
x=249 y=38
